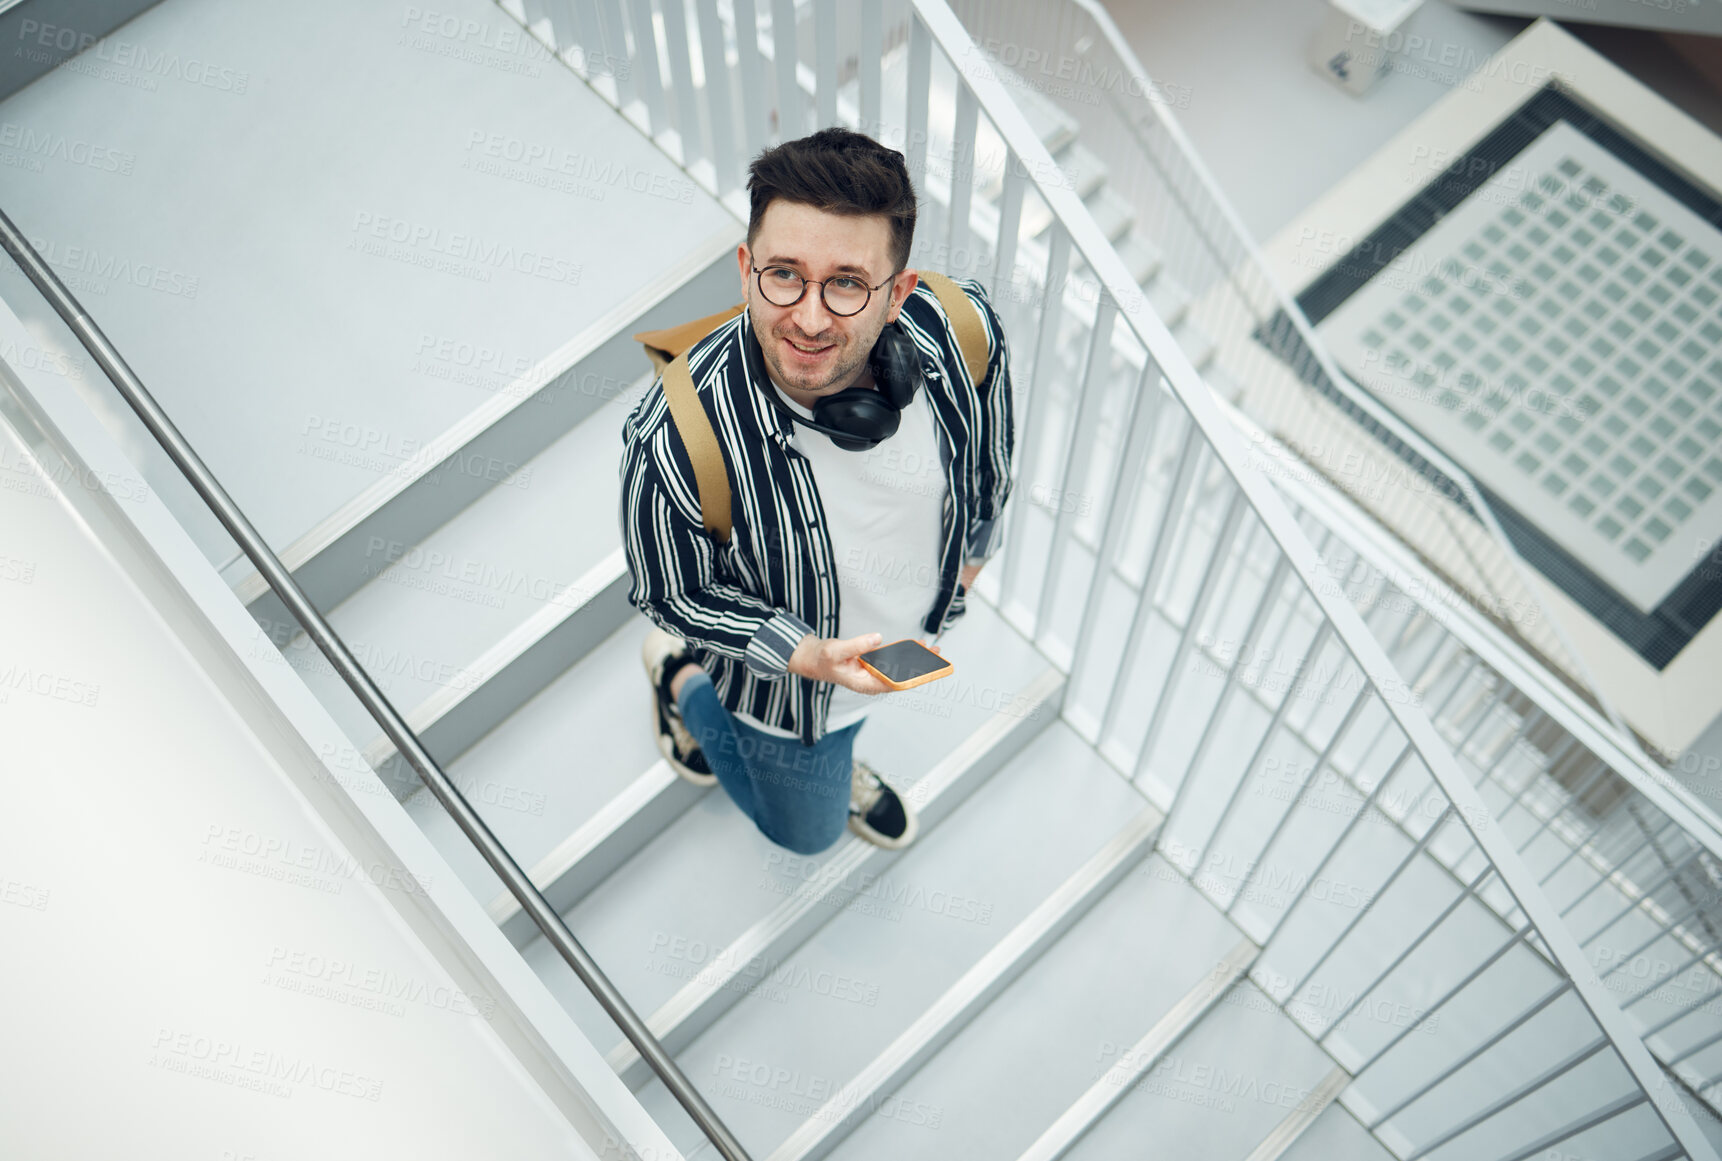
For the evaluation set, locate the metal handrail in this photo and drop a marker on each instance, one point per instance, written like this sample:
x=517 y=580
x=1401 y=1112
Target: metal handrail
x=1122 y=299
x=394 y=726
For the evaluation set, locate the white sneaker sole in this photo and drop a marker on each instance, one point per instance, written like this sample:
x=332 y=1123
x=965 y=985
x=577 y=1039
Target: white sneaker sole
x=649 y=654
x=858 y=826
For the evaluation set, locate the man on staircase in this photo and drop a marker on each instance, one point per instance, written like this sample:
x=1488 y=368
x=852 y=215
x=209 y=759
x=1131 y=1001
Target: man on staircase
x=865 y=428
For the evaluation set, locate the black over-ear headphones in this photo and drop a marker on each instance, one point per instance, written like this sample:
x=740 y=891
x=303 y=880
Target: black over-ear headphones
x=858 y=418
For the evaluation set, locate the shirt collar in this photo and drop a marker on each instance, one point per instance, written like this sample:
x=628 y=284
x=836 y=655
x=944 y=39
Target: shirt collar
x=768 y=415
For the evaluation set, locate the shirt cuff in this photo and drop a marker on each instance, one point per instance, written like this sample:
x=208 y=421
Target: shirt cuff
x=769 y=649
x=983 y=540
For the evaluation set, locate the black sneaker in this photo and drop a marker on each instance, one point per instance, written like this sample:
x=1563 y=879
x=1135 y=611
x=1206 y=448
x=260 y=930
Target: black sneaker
x=664 y=653
x=877 y=813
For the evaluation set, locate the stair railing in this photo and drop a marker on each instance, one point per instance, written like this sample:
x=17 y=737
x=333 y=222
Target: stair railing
x=406 y=742
x=1082 y=63
x=1110 y=399
x=1290 y=383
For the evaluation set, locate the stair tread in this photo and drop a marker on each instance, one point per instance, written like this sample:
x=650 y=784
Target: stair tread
x=555 y=761
x=433 y=608
x=1052 y=125
x=1141 y=256
x=711 y=875
x=1196 y=343
x=375 y=256
x=1336 y=1136
x=1168 y=298
x=1085 y=168
x=1220 y=1090
x=911 y=935
x=1112 y=213
x=1044 y=1041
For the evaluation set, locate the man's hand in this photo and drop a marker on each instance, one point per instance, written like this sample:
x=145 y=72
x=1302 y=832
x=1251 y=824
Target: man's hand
x=834 y=660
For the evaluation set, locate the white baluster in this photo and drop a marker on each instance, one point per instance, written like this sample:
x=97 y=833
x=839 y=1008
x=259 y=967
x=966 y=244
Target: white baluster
x=643 y=62
x=756 y=116
x=682 y=79
x=614 y=63
x=871 y=63
x=962 y=263
x=720 y=97
x=791 y=102
x=825 y=61
x=920 y=83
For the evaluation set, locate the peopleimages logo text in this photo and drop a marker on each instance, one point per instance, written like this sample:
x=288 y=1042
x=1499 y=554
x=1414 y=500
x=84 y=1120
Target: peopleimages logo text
x=482 y=252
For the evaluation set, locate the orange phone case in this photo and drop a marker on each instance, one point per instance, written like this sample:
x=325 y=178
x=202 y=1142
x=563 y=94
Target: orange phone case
x=913 y=681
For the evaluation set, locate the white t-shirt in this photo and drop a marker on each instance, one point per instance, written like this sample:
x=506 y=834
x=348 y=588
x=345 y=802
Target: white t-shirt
x=884 y=511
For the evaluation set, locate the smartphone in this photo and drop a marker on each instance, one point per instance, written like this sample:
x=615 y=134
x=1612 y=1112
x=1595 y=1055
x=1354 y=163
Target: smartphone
x=905 y=664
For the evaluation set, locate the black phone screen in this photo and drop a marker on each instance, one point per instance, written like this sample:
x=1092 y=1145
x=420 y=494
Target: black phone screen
x=905 y=660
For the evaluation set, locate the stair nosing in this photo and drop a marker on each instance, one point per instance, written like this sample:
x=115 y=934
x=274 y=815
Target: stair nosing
x=343 y=520
x=1088 y=1109
x=1002 y=964
x=713 y=991
x=657 y=784
x=1285 y=1134
x=514 y=644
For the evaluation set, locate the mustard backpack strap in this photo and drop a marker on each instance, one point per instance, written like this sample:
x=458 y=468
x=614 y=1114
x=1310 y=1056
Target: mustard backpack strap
x=965 y=322
x=695 y=427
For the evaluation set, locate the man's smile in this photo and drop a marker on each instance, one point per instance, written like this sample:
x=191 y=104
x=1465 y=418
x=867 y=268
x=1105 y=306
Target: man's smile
x=805 y=352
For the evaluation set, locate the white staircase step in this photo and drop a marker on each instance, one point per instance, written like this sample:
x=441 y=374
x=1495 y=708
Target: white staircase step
x=1336 y=1136
x=1302 y=1118
x=1222 y=382
x=522 y=410
x=1168 y=298
x=305 y=360
x=1111 y=212
x=1085 y=170
x=1085 y=173
x=1019 y=1065
x=942 y=913
x=818 y=896
x=1147 y=1055
x=711 y=880
x=556 y=762
x=1197 y=344
x=1219 y=1091
x=1141 y=256
x=521 y=554
x=1052 y=125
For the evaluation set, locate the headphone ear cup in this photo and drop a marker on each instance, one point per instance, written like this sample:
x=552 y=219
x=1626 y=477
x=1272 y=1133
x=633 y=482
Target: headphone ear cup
x=896 y=366
x=859 y=411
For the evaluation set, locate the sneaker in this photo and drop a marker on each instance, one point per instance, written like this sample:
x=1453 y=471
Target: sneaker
x=664 y=654
x=877 y=813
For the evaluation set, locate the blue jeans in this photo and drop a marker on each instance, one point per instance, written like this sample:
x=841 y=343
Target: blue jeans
x=798 y=796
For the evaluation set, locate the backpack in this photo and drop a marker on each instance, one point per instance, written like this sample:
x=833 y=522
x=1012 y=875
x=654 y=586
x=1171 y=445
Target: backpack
x=668 y=350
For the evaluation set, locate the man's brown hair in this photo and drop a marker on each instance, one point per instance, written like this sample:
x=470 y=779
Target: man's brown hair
x=841 y=172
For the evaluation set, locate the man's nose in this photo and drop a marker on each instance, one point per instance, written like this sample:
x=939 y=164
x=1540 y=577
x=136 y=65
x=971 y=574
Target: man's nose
x=810 y=314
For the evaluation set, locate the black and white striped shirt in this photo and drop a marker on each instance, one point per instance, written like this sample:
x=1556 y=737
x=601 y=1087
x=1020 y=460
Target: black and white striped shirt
x=745 y=606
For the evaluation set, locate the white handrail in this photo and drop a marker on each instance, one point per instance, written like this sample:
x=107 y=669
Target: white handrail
x=1227 y=446
x=1241 y=236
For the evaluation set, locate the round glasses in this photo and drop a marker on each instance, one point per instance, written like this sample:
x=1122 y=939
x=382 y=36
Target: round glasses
x=842 y=295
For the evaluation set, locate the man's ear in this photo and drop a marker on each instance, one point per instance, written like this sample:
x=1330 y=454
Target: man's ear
x=742 y=261
x=902 y=287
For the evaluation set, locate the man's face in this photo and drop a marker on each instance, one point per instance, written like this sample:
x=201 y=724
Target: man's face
x=808 y=350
